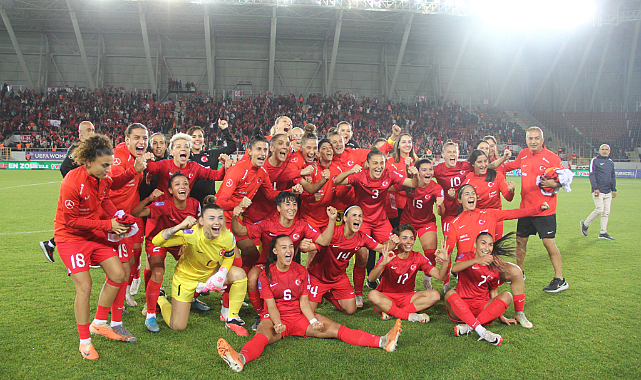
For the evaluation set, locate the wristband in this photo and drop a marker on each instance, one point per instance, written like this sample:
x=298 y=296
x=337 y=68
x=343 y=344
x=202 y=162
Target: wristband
x=312 y=321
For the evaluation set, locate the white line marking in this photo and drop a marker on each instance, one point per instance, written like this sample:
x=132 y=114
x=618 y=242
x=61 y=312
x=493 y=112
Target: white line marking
x=32 y=184
x=24 y=232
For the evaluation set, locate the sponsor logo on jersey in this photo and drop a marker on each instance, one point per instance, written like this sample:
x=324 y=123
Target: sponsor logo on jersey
x=69 y=204
x=475 y=267
x=394 y=267
x=272 y=285
x=229 y=182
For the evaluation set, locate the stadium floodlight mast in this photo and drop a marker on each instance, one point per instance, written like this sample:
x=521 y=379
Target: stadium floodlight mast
x=535 y=14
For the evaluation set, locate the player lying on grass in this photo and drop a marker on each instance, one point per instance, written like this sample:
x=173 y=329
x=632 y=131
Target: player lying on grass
x=283 y=286
x=205 y=265
x=395 y=294
x=476 y=301
x=82 y=240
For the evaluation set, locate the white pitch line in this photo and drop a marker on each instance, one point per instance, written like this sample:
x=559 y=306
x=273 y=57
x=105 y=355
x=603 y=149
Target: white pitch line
x=24 y=232
x=32 y=184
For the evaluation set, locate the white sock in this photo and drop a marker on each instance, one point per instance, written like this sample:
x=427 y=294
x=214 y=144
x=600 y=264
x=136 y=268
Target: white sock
x=151 y=315
x=224 y=311
x=479 y=330
x=83 y=341
x=99 y=322
x=128 y=290
x=115 y=324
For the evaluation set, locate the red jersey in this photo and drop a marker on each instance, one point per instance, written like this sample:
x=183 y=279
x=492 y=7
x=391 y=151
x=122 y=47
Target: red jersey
x=451 y=178
x=399 y=275
x=83 y=200
x=164 y=214
x=126 y=197
x=419 y=211
x=469 y=224
x=397 y=199
x=371 y=193
x=286 y=288
x=315 y=212
x=266 y=230
x=330 y=262
x=295 y=164
x=261 y=207
x=193 y=170
x=533 y=165
x=243 y=180
x=475 y=282
x=488 y=194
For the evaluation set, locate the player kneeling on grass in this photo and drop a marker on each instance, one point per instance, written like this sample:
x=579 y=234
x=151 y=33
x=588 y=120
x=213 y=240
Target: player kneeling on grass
x=395 y=295
x=283 y=286
x=200 y=267
x=476 y=300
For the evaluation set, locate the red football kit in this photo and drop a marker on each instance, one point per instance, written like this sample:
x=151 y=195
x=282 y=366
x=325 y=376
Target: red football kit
x=126 y=197
x=398 y=199
x=164 y=214
x=488 y=194
x=315 y=212
x=469 y=224
x=451 y=178
x=266 y=230
x=263 y=208
x=399 y=275
x=419 y=210
x=193 y=170
x=474 y=283
x=294 y=165
x=533 y=165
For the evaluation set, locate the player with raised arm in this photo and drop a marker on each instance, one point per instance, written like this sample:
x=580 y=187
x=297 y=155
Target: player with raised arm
x=205 y=265
x=161 y=215
x=476 y=301
x=395 y=295
x=327 y=270
x=82 y=239
x=284 y=287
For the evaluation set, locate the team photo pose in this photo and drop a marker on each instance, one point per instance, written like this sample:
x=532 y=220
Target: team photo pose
x=476 y=301
x=284 y=288
x=395 y=295
x=205 y=265
x=81 y=237
x=161 y=215
x=312 y=204
x=327 y=270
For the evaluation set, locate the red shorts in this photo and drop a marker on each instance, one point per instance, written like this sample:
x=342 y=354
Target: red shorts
x=139 y=237
x=154 y=250
x=341 y=289
x=399 y=299
x=426 y=228
x=380 y=230
x=78 y=255
x=476 y=307
x=445 y=223
x=126 y=249
x=295 y=325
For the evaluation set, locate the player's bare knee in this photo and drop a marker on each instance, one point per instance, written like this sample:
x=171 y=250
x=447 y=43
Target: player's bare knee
x=448 y=294
x=374 y=296
x=236 y=274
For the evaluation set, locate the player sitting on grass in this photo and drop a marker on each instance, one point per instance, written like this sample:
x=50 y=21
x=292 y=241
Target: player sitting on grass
x=283 y=286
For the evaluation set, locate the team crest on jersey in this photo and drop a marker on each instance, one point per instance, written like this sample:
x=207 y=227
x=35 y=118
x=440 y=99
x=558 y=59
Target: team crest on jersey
x=413 y=267
x=69 y=204
x=116 y=161
x=297 y=282
x=490 y=184
x=222 y=252
x=463 y=172
x=295 y=236
x=191 y=175
x=204 y=159
x=295 y=159
x=350 y=163
x=427 y=197
x=229 y=182
x=385 y=183
x=259 y=180
x=542 y=168
x=482 y=221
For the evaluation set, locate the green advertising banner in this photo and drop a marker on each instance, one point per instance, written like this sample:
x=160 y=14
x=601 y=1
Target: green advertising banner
x=8 y=165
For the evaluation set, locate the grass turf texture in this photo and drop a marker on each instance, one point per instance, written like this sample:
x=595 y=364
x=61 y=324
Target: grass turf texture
x=590 y=330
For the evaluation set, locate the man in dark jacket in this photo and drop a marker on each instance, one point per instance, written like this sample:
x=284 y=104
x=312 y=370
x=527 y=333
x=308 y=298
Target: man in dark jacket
x=85 y=130
x=604 y=189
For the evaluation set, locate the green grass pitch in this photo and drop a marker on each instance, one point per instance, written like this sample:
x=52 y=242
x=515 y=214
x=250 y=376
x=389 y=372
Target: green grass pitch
x=589 y=331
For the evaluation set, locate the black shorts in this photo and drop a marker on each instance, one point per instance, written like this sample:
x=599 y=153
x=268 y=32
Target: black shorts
x=545 y=226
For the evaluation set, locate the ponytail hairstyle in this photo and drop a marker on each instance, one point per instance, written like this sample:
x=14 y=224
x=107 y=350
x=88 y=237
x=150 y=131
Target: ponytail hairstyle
x=271 y=256
x=257 y=136
x=476 y=153
x=92 y=148
x=308 y=129
x=396 y=151
x=209 y=203
x=374 y=152
x=505 y=246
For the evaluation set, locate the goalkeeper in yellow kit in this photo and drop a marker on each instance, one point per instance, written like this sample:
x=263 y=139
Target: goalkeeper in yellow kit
x=206 y=265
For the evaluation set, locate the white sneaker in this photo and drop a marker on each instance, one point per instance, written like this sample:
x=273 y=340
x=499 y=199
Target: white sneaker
x=446 y=288
x=130 y=299
x=359 y=302
x=422 y=318
x=135 y=285
x=522 y=319
x=489 y=336
x=427 y=282
x=462 y=329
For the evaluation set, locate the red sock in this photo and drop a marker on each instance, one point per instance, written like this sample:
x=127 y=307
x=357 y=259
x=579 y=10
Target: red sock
x=116 y=307
x=226 y=298
x=409 y=308
x=330 y=297
x=398 y=313
x=519 y=302
x=147 y=275
x=447 y=278
x=196 y=294
x=358 y=276
x=83 y=331
x=358 y=337
x=256 y=301
x=152 y=292
x=431 y=254
x=492 y=311
x=254 y=348
x=102 y=312
x=132 y=273
x=462 y=310
x=134 y=268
